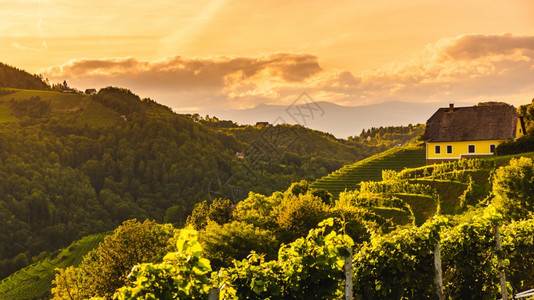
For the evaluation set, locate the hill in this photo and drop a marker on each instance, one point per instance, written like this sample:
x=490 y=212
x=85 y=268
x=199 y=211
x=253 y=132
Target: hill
x=35 y=280
x=15 y=78
x=75 y=164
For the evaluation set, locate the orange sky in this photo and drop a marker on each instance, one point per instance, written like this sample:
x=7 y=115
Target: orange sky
x=234 y=54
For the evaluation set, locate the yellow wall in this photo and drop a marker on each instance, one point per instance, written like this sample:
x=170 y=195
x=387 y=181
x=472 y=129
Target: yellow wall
x=518 y=129
x=459 y=149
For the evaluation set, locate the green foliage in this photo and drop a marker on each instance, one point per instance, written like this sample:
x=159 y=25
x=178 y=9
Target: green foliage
x=470 y=269
x=518 y=248
x=106 y=268
x=513 y=187
x=175 y=215
x=520 y=145
x=399 y=265
x=357 y=222
x=15 y=78
x=224 y=243
x=467 y=196
x=303 y=187
x=35 y=281
x=397 y=186
x=199 y=217
x=219 y=211
x=527 y=112
x=78 y=164
x=370 y=169
x=308 y=268
x=33 y=107
x=257 y=209
x=184 y=274
x=390 y=135
x=296 y=215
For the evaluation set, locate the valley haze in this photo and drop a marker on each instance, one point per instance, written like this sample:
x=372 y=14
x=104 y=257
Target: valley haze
x=341 y=121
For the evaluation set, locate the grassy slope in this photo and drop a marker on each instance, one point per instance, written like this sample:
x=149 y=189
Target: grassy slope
x=62 y=105
x=35 y=281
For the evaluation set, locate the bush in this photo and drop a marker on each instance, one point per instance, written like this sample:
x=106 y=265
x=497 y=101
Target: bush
x=513 y=188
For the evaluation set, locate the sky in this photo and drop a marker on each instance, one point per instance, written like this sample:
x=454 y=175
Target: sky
x=209 y=55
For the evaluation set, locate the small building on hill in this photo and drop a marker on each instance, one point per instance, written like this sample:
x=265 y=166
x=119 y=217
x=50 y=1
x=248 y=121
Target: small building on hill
x=460 y=132
x=90 y=91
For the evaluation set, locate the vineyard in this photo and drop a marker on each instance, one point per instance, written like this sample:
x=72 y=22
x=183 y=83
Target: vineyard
x=396 y=266
x=350 y=176
x=35 y=281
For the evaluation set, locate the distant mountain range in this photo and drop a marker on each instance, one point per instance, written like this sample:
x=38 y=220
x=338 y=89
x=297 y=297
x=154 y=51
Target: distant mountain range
x=341 y=121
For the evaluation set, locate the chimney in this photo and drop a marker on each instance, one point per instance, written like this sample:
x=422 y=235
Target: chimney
x=451 y=107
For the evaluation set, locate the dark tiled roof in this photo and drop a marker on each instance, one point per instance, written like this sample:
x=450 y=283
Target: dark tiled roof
x=489 y=122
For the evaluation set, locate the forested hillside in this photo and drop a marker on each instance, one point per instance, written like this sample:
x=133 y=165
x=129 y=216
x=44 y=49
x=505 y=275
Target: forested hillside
x=75 y=164
x=15 y=78
x=64 y=179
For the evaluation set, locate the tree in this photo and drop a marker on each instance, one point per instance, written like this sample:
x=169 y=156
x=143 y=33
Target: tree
x=513 y=188
x=235 y=240
x=296 y=215
x=182 y=275
x=175 y=215
x=106 y=268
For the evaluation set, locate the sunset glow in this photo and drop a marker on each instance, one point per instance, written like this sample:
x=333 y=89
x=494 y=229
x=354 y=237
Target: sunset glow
x=223 y=54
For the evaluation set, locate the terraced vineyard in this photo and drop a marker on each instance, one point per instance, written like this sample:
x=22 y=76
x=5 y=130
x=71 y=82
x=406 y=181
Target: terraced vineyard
x=349 y=177
x=35 y=281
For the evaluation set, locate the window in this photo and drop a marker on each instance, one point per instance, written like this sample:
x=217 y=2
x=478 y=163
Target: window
x=471 y=148
x=437 y=149
x=492 y=148
x=449 y=149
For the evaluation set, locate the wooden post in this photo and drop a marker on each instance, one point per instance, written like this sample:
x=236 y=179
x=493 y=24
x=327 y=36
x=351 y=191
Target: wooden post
x=500 y=265
x=348 y=275
x=214 y=294
x=437 y=269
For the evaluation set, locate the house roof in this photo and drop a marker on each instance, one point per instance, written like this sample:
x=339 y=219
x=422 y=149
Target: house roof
x=486 y=122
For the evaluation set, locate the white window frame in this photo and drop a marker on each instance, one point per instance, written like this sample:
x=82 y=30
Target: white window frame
x=447 y=149
x=474 y=149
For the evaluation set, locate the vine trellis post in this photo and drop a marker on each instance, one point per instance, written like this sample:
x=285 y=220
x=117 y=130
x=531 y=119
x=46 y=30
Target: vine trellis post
x=214 y=294
x=500 y=265
x=348 y=275
x=437 y=269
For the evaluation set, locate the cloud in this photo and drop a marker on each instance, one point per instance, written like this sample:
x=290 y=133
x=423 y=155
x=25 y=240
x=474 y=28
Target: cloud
x=469 y=47
x=465 y=68
x=205 y=77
